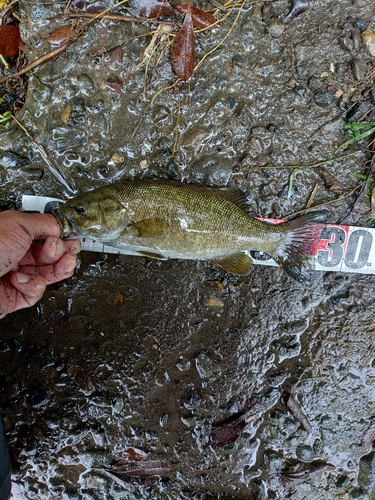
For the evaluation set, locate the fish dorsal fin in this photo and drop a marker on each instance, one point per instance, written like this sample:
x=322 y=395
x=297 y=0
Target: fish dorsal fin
x=151 y=255
x=235 y=195
x=237 y=263
x=148 y=228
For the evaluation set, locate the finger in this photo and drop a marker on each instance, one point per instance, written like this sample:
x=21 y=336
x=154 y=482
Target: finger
x=29 y=289
x=50 y=251
x=52 y=273
x=32 y=226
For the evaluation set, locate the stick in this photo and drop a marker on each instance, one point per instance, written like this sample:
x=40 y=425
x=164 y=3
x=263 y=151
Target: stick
x=339 y=198
x=35 y=63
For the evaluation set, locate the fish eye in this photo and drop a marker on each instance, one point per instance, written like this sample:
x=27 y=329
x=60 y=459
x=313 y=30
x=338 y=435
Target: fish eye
x=80 y=209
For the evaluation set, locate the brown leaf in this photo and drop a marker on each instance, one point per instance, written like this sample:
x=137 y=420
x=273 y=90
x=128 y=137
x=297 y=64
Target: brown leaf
x=10 y=40
x=151 y=8
x=231 y=429
x=302 y=471
x=136 y=463
x=296 y=410
x=59 y=36
x=330 y=182
x=227 y=432
x=114 y=83
x=368 y=435
x=183 y=49
x=201 y=19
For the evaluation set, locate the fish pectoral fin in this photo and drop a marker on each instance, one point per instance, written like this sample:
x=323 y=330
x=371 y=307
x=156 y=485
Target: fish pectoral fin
x=152 y=255
x=237 y=263
x=148 y=228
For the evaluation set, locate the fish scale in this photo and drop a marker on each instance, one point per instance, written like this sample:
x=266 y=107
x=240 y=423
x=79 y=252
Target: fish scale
x=169 y=219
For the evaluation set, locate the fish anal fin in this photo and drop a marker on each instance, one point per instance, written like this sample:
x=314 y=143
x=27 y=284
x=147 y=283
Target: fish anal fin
x=235 y=195
x=237 y=263
x=148 y=228
x=151 y=255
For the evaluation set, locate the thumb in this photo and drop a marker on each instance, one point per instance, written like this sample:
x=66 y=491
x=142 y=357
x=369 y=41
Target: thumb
x=30 y=289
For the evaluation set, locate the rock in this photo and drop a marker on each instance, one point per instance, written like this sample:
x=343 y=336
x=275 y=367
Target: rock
x=212 y=170
x=32 y=173
x=276 y=28
x=324 y=99
x=315 y=84
x=13 y=160
x=359 y=69
x=346 y=43
x=368 y=38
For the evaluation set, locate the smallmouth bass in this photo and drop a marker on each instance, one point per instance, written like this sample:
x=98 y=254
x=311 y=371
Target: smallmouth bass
x=170 y=219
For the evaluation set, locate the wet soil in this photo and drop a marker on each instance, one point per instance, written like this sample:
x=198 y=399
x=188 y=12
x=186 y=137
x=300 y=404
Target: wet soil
x=135 y=353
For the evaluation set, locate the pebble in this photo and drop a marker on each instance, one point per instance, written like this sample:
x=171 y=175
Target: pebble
x=67 y=111
x=86 y=84
x=276 y=28
x=315 y=84
x=324 y=99
x=117 y=158
x=256 y=144
x=346 y=42
x=368 y=38
x=212 y=170
x=361 y=25
x=13 y=160
x=33 y=173
x=359 y=69
x=214 y=303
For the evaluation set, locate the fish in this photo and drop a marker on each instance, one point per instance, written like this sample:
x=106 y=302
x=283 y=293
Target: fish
x=164 y=219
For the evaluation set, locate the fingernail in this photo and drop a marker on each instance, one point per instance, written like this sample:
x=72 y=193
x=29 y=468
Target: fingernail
x=59 y=247
x=22 y=278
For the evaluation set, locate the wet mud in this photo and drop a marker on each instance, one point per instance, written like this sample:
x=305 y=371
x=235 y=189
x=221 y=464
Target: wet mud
x=153 y=356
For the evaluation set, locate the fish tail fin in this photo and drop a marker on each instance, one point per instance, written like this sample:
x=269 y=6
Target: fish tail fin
x=301 y=237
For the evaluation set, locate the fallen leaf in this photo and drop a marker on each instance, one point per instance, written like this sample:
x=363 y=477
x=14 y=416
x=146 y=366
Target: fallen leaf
x=299 y=7
x=237 y=416
x=302 y=471
x=139 y=464
x=330 y=182
x=368 y=435
x=59 y=36
x=114 y=83
x=227 y=432
x=200 y=18
x=151 y=8
x=10 y=40
x=296 y=410
x=119 y=298
x=183 y=49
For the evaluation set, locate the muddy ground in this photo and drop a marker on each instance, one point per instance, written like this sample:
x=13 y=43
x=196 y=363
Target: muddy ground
x=135 y=353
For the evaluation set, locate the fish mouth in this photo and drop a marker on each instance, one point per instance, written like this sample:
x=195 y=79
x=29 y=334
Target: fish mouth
x=67 y=225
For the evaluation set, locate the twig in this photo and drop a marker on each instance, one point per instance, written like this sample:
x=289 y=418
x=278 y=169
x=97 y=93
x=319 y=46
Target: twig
x=313 y=165
x=35 y=63
x=7 y=8
x=312 y=196
x=339 y=198
x=368 y=173
x=114 y=17
x=224 y=37
x=56 y=170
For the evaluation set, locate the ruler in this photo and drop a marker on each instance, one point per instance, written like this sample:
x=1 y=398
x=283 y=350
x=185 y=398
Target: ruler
x=347 y=249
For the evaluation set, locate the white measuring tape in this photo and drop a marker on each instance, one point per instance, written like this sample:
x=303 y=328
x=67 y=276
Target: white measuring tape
x=348 y=249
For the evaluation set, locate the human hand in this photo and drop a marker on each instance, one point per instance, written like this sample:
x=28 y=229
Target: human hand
x=32 y=255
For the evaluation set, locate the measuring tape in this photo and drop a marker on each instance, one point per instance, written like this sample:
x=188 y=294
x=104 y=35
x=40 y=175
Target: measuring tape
x=347 y=249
